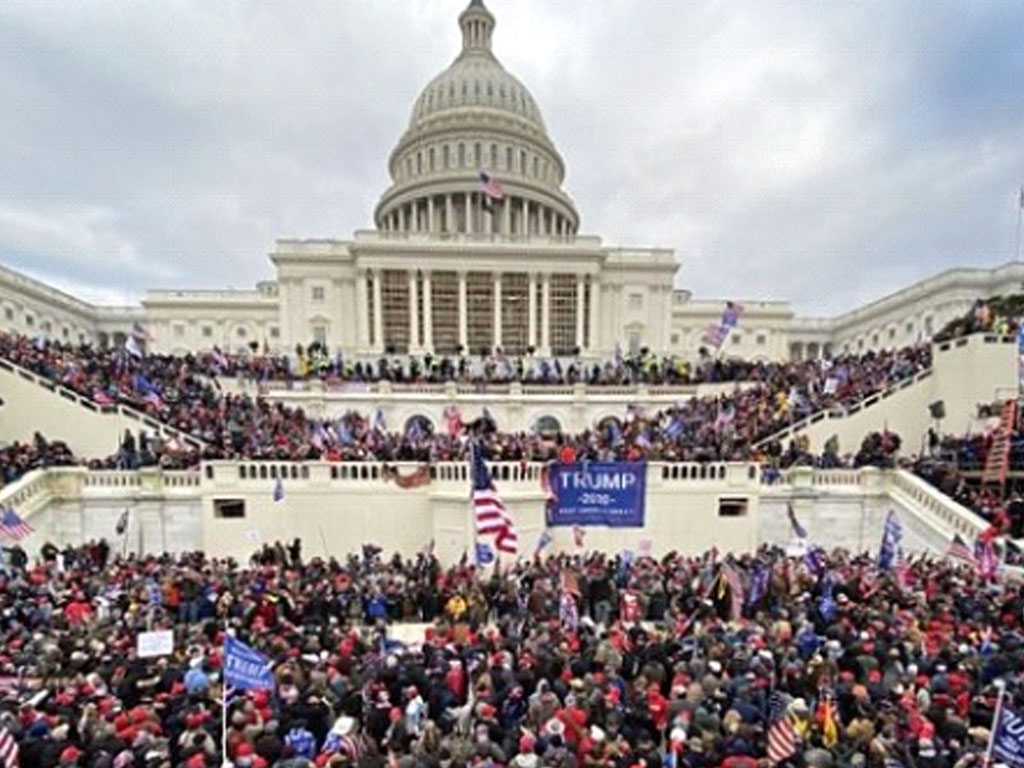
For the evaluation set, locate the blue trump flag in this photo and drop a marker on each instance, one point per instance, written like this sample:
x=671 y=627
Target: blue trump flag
x=1008 y=737
x=599 y=493
x=244 y=668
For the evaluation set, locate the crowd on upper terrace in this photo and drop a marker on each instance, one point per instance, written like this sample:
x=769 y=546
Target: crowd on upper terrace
x=17 y=459
x=184 y=393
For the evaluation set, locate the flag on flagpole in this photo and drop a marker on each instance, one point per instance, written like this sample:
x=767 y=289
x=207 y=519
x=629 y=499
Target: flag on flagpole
x=988 y=560
x=122 y=523
x=246 y=669
x=959 y=550
x=781 y=734
x=798 y=530
x=490 y=186
x=732 y=578
x=8 y=749
x=1007 y=740
x=278 y=490
x=13 y=527
x=892 y=536
x=489 y=511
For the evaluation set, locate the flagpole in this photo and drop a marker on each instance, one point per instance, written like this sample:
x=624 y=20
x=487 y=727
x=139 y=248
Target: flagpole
x=1001 y=685
x=225 y=763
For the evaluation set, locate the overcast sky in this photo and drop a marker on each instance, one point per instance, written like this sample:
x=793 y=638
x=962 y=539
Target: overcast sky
x=821 y=152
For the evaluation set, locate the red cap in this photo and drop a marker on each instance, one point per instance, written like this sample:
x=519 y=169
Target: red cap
x=244 y=750
x=70 y=754
x=198 y=760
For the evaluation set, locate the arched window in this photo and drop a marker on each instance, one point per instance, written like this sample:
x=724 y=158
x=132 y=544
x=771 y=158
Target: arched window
x=462 y=155
x=418 y=427
x=431 y=158
x=547 y=425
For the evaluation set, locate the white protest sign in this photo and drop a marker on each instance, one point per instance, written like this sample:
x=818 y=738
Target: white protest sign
x=159 y=643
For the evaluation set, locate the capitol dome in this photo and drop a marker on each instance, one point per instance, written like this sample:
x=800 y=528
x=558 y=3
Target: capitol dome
x=472 y=123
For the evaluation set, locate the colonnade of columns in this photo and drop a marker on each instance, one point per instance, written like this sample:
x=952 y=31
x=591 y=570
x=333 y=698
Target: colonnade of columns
x=466 y=212
x=373 y=335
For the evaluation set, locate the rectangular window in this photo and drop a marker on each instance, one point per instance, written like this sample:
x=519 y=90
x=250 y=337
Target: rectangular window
x=732 y=507
x=394 y=301
x=229 y=508
x=318 y=293
x=275 y=332
x=562 y=330
x=320 y=335
x=179 y=331
x=480 y=312
x=675 y=339
x=737 y=338
x=444 y=310
x=636 y=301
x=8 y=313
x=515 y=319
x=761 y=339
x=207 y=331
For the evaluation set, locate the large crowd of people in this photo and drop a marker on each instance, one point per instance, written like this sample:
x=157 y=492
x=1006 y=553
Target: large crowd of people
x=184 y=393
x=586 y=661
x=18 y=459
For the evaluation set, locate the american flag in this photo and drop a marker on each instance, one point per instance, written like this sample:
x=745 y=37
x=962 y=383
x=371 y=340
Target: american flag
x=715 y=335
x=781 y=734
x=732 y=578
x=8 y=749
x=488 y=509
x=13 y=527
x=490 y=186
x=958 y=550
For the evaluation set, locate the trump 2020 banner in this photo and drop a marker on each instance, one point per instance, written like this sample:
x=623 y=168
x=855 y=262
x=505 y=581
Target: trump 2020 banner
x=1008 y=739
x=598 y=493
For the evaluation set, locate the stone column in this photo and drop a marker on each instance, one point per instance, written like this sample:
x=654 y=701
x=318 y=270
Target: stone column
x=362 y=312
x=449 y=222
x=428 y=319
x=580 y=285
x=497 y=309
x=506 y=211
x=524 y=226
x=595 y=312
x=378 y=311
x=414 y=319
x=469 y=212
x=431 y=224
x=531 y=308
x=545 y=316
x=463 y=330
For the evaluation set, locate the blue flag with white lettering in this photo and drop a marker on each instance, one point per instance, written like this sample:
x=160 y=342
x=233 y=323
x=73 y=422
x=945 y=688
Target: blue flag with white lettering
x=244 y=668
x=1008 y=739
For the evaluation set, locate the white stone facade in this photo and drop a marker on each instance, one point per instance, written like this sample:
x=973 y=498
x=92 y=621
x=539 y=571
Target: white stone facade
x=451 y=268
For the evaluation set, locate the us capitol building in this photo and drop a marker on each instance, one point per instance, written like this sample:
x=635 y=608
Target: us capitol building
x=450 y=267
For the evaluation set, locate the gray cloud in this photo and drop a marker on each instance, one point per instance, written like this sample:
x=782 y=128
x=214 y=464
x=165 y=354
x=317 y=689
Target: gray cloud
x=820 y=153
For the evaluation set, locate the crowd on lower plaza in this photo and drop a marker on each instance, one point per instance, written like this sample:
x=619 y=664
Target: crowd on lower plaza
x=184 y=393
x=585 y=661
